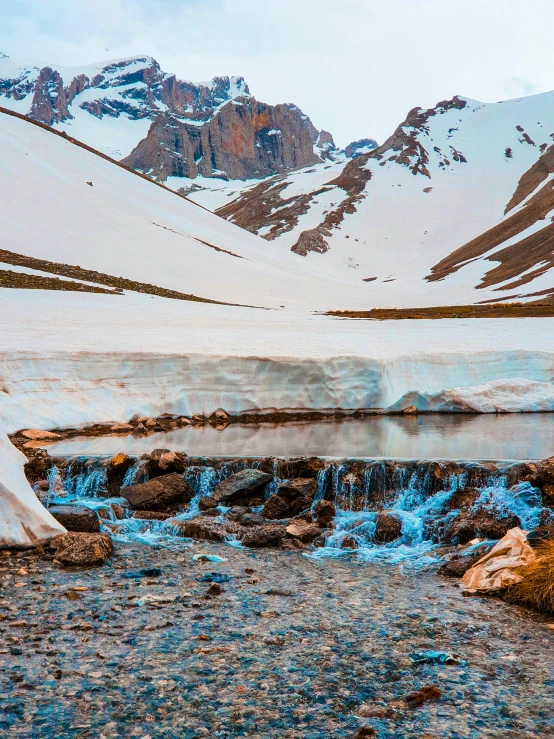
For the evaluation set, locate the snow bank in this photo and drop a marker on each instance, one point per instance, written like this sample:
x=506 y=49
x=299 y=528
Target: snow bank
x=498 y=396
x=73 y=359
x=24 y=522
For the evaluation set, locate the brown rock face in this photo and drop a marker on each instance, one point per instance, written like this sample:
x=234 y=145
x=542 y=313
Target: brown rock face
x=482 y=523
x=458 y=565
x=50 y=98
x=264 y=536
x=545 y=471
x=161 y=493
x=325 y=512
x=311 y=240
x=246 y=139
x=76 y=518
x=115 y=472
x=205 y=528
x=82 y=550
x=303 y=530
x=38 y=465
x=301 y=487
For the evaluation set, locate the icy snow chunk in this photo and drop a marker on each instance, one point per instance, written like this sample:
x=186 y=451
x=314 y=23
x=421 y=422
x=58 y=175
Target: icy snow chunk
x=497 y=396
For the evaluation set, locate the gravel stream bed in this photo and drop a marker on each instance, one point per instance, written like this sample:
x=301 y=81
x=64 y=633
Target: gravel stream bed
x=291 y=648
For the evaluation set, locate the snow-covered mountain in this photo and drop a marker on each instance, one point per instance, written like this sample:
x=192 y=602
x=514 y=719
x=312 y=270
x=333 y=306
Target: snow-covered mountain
x=130 y=109
x=73 y=220
x=457 y=202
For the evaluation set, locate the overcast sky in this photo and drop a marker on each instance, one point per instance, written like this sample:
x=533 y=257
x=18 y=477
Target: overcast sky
x=355 y=66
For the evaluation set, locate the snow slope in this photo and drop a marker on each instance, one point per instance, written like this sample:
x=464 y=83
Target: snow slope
x=443 y=178
x=126 y=226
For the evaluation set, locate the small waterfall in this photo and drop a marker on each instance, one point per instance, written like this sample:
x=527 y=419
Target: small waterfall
x=418 y=496
x=386 y=510
x=80 y=477
x=137 y=473
x=322 y=483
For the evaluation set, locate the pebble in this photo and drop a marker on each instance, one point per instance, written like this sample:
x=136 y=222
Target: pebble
x=331 y=661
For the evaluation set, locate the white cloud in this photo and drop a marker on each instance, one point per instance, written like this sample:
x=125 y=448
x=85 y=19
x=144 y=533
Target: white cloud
x=355 y=66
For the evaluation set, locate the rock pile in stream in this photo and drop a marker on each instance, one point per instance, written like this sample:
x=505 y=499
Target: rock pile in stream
x=299 y=502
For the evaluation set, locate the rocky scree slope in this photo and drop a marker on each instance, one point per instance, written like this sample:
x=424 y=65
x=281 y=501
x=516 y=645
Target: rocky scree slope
x=131 y=109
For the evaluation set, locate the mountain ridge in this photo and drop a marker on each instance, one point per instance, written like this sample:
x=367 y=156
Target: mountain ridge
x=131 y=109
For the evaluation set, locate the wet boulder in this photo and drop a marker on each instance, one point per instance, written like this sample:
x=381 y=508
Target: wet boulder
x=164 y=462
x=38 y=465
x=482 y=523
x=545 y=471
x=252 y=519
x=242 y=486
x=167 y=491
x=458 y=565
x=462 y=499
x=325 y=512
x=152 y=515
x=300 y=467
x=236 y=512
x=388 y=528
x=303 y=530
x=76 y=518
x=300 y=505
x=205 y=528
x=349 y=542
x=116 y=469
x=276 y=507
x=271 y=535
x=321 y=539
x=522 y=472
x=79 y=549
x=207 y=503
x=300 y=487
x=548 y=495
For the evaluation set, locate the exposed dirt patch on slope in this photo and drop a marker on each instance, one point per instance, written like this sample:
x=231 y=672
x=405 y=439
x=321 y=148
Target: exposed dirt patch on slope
x=22 y=281
x=531 y=179
x=89 y=275
x=542 y=309
x=534 y=250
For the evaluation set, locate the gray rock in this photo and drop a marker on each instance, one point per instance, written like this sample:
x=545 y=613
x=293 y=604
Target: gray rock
x=76 y=518
x=241 y=486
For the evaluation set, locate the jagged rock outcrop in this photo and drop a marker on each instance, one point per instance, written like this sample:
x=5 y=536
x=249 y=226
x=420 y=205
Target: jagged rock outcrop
x=311 y=240
x=214 y=129
x=360 y=147
x=246 y=140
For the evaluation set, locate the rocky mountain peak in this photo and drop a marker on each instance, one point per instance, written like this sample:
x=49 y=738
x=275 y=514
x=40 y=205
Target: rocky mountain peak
x=166 y=127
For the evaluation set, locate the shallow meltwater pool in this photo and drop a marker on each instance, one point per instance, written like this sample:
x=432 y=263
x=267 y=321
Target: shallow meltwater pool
x=438 y=436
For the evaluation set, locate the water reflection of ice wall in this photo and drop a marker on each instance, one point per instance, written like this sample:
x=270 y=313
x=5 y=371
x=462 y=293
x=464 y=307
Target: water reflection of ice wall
x=416 y=493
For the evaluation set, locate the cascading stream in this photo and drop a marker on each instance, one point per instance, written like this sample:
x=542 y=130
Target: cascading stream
x=416 y=497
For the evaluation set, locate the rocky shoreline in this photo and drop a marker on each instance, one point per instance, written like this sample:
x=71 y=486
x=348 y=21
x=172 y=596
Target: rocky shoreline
x=264 y=644
x=26 y=439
